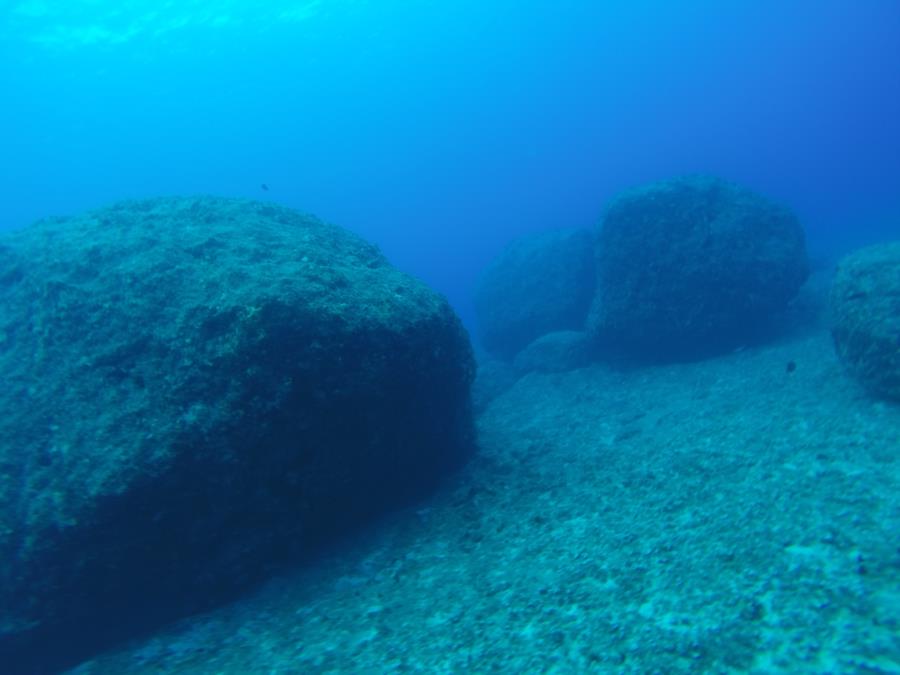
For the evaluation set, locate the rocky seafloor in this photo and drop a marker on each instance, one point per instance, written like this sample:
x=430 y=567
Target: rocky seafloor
x=731 y=515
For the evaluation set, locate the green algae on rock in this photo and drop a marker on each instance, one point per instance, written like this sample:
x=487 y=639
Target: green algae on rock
x=865 y=304
x=197 y=390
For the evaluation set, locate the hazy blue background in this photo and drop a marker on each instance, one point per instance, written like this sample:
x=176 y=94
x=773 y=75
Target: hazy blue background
x=442 y=129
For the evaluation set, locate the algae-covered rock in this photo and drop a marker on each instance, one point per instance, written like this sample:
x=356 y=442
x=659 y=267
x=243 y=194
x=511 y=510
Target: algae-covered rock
x=692 y=267
x=539 y=284
x=195 y=390
x=865 y=306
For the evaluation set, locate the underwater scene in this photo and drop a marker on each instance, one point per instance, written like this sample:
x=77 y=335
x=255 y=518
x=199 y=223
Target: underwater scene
x=406 y=336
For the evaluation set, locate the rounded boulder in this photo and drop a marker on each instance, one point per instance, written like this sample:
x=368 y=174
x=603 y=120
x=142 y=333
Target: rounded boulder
x=197 y=390
x=865 y=314
x=539 y=284
x=693 y=267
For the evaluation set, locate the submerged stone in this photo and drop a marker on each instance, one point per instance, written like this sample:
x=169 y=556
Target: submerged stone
x=556 y=353
x=865 y=310
x=539 y=284
x=693 y=267
x=194 y=392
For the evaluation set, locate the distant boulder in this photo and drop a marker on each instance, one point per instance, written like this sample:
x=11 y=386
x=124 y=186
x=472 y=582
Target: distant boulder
x=865 y=309
x=556 y=353
x=195 y=391
x=692 y=267
x=539 y=284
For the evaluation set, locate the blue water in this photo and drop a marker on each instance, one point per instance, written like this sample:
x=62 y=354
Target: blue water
x=440 y=130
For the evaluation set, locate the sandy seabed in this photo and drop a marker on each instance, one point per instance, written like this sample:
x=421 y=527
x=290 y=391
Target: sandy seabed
x=729 y=515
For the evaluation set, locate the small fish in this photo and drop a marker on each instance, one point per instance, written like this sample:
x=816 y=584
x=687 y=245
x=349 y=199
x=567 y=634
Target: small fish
x=790 y=367
x=264 y=187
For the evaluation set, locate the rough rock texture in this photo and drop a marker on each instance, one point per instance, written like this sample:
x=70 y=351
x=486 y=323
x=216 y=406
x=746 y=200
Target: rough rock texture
x=539 y=284
x=865 y=303
x=692 y=267
x=195 y=390
x=556 y=353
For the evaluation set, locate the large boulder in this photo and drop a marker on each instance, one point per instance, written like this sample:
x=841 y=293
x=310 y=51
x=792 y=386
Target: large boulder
x=865 y=311
x=692 y=267
x=539 y=284
x=195 y=391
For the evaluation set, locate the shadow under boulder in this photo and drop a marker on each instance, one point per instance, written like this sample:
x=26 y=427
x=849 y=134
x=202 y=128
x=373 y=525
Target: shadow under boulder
x=539 y=284
x=865 y=308
x=197 y=391
x=692 y=267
